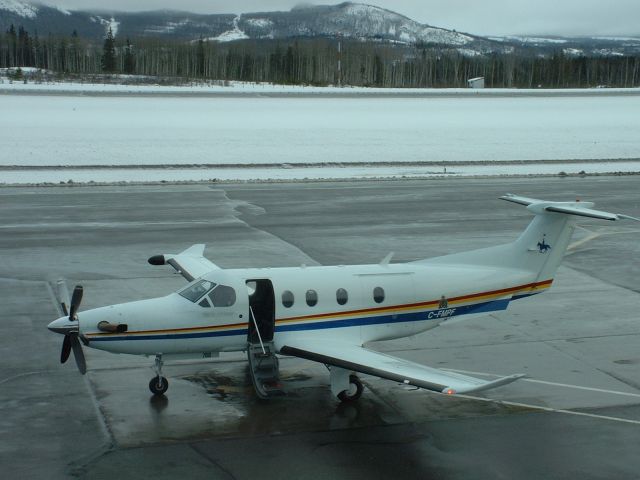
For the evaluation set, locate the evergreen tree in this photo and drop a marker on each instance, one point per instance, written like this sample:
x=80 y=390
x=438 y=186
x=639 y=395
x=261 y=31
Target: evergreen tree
x=200 y=58
x=109 y=53
x=378 y=71
x=313 y=61
x=13 y=45
x=73 y=64
x=129 y=59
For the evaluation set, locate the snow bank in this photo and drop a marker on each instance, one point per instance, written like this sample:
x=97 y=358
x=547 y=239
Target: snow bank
x=241 y=88
x=295 y=137
x=153 y=175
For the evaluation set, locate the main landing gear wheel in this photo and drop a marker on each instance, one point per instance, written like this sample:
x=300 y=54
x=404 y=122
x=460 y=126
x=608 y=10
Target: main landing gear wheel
x=354 y=392
x=158 y=385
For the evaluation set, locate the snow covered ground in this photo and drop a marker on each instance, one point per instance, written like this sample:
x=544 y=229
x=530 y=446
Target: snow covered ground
x=242 y=88
x=258 y=137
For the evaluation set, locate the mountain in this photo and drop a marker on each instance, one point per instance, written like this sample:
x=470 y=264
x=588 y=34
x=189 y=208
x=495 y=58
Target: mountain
x=597 y=46
x=46 y=20
x=349 y=20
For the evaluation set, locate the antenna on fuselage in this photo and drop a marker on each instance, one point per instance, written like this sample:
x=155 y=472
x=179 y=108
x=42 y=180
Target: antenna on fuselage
x=385 y=261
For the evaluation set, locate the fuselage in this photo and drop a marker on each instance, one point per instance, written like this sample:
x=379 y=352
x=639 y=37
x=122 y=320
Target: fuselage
x=359 y=304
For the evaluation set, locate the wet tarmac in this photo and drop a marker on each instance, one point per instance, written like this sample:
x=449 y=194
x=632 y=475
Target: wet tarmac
x=577 y=415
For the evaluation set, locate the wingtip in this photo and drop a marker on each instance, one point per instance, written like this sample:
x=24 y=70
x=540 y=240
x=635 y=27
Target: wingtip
x=499 y=382
x=627 y=217
x=196 y=250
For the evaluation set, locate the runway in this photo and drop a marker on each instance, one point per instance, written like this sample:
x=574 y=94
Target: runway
x=576 y=415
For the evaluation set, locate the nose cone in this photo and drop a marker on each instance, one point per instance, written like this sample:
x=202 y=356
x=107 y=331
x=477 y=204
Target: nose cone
x=63 y=325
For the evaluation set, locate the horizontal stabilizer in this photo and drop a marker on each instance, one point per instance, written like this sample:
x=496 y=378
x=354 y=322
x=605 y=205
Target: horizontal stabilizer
x=578 y=208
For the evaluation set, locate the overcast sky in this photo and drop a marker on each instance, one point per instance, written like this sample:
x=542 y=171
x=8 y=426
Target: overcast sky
x=482 y=17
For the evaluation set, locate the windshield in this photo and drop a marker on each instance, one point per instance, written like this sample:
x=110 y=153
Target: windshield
x=197 y=290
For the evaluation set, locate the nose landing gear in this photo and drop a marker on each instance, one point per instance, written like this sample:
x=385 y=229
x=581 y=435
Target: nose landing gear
x=158 y=384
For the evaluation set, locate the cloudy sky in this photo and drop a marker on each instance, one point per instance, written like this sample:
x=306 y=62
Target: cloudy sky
x=482 y=17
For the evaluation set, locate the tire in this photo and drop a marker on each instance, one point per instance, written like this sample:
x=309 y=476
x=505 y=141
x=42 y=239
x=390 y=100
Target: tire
x=355 y=390
x=158 y=385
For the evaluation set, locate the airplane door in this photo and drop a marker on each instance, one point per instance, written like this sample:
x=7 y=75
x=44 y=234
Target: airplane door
x=262 y=310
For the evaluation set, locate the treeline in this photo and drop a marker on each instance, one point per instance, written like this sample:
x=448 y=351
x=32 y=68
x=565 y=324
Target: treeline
x=312 y=62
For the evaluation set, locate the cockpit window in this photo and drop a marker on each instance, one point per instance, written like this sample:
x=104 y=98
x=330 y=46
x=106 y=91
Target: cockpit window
x=197 y=290
x=223 y=296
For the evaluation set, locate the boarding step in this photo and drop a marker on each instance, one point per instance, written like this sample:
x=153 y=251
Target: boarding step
x=264 y=369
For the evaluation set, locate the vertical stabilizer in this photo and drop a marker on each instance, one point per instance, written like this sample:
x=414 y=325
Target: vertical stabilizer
x=542 y=245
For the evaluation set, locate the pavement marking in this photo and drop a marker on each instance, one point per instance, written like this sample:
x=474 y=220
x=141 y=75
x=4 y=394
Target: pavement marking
x=550 y=409
x=54 y=297
x=20 y=375
x=555 y=410
x=103 y=224
x=555 y=384
x=592 y=235
x=579 y=387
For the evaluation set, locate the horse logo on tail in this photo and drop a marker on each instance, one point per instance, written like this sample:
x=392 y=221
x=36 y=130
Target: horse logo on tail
x=543 y=246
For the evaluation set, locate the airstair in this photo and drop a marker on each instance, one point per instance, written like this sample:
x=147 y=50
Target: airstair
x=263 y=363
x=263 y=367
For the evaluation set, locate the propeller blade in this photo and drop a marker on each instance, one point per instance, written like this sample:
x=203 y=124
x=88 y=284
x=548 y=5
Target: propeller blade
x=75 y=302
x=78 y=354
x=66 y=349
x=63 y=296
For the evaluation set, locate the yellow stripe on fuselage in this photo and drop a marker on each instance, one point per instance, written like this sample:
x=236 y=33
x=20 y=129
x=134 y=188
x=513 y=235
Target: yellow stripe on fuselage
x=396 y=309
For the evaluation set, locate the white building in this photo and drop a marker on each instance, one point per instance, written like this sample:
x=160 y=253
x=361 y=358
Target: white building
x=477 y=82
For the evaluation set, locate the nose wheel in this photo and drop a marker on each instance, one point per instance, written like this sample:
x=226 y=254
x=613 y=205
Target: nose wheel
x=158 y=384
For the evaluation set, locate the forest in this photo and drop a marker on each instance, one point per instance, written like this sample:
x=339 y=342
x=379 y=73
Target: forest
x=310 y=61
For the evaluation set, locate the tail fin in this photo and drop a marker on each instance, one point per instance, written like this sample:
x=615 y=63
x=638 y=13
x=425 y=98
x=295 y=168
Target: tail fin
x=547 y=237
x=541 y=247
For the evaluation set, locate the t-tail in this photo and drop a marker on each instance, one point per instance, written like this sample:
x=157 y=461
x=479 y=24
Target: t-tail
x=542 y=245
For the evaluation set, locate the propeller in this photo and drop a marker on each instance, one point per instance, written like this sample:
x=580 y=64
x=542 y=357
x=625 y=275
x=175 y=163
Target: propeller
x=71 y=341
x=63 y=296
x=75 y=303
x=66 y=349
x=78 y=354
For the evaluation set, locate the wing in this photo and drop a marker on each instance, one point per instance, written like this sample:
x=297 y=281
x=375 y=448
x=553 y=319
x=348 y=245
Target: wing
x=359 y=359
x=191 y=263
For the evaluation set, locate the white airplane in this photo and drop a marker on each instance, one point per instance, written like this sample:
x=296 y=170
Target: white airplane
x=327 y=314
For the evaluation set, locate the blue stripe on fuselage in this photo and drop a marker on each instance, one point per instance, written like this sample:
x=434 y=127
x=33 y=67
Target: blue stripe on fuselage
x=439 y=314
x=492 y=306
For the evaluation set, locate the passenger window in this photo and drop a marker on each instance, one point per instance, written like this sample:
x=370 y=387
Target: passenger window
x=378 y=295
x=204 y=303
x=287 y=298
x=312 y=298
x=223 y=296
x=197 y=290
x=342 y=296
